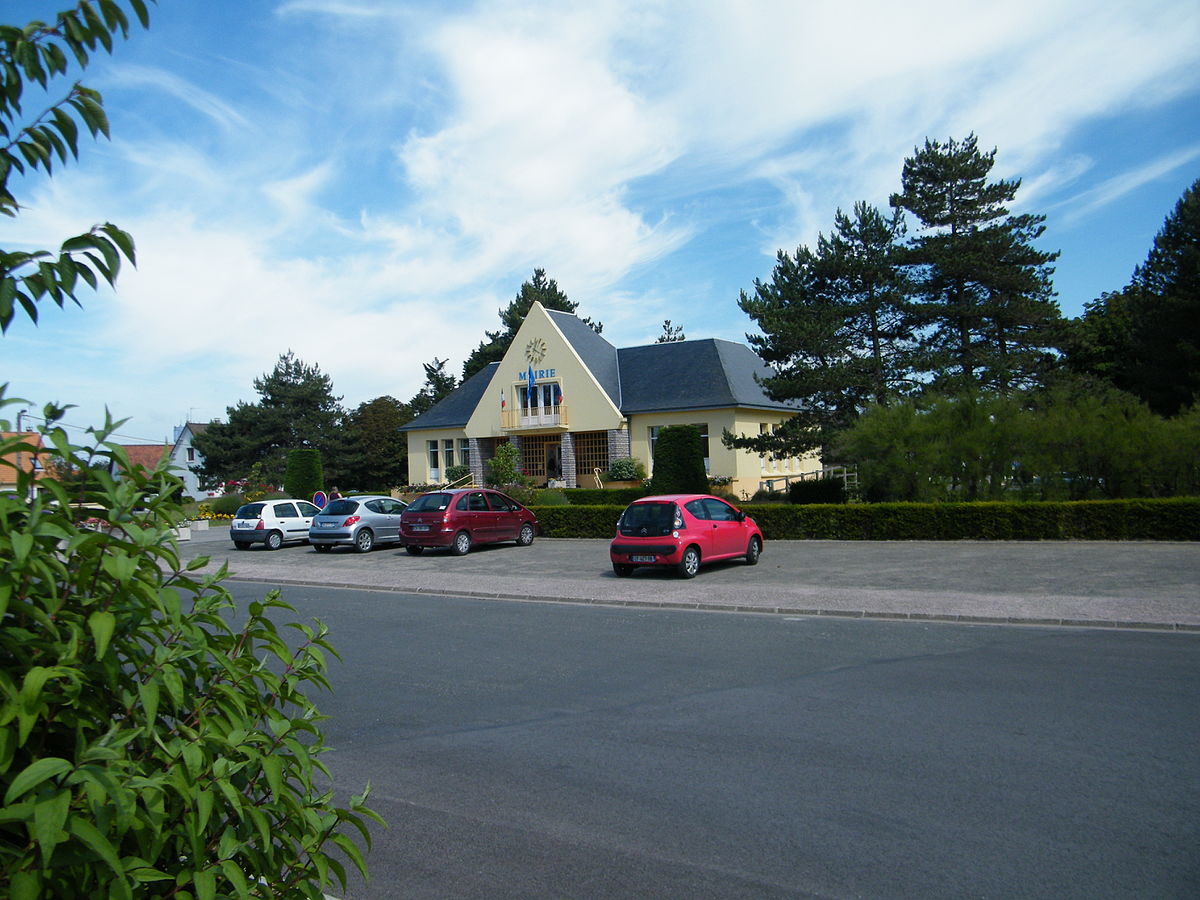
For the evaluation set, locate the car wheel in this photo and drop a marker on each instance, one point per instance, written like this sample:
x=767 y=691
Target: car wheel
x=413 y=551
x=753 y=551
x=461 y=545
x=690 y=564
x=623 y=570
x=525 y=538
x=364 y=541
x=274 y=540
x=241 y=546
x=322 y=548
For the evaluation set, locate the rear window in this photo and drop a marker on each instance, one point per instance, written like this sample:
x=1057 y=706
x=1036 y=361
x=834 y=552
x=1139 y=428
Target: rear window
x=340 y=508
x=655 y=518
x=429 y=503
x=249 y=511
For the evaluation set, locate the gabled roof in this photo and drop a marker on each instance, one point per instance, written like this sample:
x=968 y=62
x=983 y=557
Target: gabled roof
x=700 y=374
x=596 y=353
x=146 y=455
x=453 y=410
x=677 y=375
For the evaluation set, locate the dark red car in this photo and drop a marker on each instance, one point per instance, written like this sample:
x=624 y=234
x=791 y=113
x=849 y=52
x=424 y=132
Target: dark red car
x=683 y=531
x=459 y=519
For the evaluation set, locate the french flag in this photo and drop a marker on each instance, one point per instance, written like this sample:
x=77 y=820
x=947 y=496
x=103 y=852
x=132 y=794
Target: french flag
x=502 y=399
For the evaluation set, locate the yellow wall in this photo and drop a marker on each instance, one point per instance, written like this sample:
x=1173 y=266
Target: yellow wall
x=744 y=466
x=588 y=406
x=418 y=456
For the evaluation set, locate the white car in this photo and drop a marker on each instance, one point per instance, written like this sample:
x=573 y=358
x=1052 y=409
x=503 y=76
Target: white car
x=271 y=523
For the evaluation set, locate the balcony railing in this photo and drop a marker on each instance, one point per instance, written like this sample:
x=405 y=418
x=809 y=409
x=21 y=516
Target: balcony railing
x=552 y=418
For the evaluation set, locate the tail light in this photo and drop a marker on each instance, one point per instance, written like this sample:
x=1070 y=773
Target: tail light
x=351 y=520
x=261 y=526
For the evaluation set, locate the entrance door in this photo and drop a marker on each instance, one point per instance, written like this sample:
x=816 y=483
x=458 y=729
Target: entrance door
x=553 y=461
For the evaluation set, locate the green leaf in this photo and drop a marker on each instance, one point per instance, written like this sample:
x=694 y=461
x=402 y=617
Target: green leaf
x=96 y=842
x=49 y=816
x=34 y=774
x=25 y=886
x=102 y=624
x=205 y=881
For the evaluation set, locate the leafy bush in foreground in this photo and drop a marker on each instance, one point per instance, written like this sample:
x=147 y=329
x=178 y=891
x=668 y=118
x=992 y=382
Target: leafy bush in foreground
x=148 y=747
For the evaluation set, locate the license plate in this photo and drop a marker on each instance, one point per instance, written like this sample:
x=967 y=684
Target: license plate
x=244 y=526
x=642 y=558
x=420 y=528
x=329 y=524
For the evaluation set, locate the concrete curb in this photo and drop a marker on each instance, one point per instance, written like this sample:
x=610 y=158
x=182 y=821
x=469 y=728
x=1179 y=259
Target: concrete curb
x=950 y=618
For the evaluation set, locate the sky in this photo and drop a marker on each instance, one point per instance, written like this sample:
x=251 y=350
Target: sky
x=366 y=183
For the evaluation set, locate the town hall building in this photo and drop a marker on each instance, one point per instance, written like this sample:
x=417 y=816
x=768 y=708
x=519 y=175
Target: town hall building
x=571 y=403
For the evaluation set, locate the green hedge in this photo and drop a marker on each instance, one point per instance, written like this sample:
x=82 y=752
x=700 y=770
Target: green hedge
x=1175 y=519
x=600 y=497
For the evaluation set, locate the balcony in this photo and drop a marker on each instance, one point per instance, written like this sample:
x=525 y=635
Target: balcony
x=537 y=419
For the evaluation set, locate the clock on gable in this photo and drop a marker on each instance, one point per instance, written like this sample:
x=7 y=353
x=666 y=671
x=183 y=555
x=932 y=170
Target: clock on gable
x=535 y=351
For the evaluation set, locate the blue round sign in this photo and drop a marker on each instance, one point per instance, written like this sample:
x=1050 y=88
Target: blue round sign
x=320 y=500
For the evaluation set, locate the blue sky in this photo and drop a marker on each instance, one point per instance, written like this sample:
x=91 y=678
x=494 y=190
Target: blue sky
x=366 y=182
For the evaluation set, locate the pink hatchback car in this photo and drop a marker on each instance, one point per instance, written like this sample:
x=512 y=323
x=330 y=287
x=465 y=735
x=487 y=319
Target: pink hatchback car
x=684 y=531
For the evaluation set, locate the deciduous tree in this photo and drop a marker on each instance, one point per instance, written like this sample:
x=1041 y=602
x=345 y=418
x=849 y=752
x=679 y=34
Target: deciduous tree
x=43 y=53
x=378 y=449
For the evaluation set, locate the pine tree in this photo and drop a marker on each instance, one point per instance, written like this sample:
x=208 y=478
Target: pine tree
x=835 y=328
x=983 y=290
x=1145 y=338
x=540 y=289
x=296 y=408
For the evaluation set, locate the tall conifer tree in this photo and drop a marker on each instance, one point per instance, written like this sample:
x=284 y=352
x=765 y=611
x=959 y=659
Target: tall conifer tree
x=835 y=328
x=983 y=291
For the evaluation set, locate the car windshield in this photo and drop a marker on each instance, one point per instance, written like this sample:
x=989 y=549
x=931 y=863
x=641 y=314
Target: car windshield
x=249 y=511
x=654 y=518
x=429 y=503
x=340 y=508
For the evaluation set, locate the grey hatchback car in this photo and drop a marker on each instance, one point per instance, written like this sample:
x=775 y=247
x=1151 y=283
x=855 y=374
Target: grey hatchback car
x=358 y=522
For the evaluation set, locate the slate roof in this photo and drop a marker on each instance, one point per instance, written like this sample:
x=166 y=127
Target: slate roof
x=453 y=410
x=597 y=354
x=673 y=376
x=701 y=374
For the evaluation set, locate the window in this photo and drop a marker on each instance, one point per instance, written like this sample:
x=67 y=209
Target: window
x=191 y=454
x=448 y=452
x=719 y=511
x=591 y=451
x=286 y=511
x=464 y=452
x=433 y=458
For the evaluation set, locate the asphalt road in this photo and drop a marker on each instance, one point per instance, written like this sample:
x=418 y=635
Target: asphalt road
x=600 y=751
x=1122 y=584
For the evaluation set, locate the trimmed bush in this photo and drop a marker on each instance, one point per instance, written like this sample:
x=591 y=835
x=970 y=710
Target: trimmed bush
x=679 y=462
x=1173 y=519
x=305 y=475
x=600 y=497
x=227 y=504
x=625 y=469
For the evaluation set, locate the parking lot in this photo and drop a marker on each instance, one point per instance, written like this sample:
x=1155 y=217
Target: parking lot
x=1103 y=584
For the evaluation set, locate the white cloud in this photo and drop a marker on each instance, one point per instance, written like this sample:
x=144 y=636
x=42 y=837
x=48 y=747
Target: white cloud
x=596 y=140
